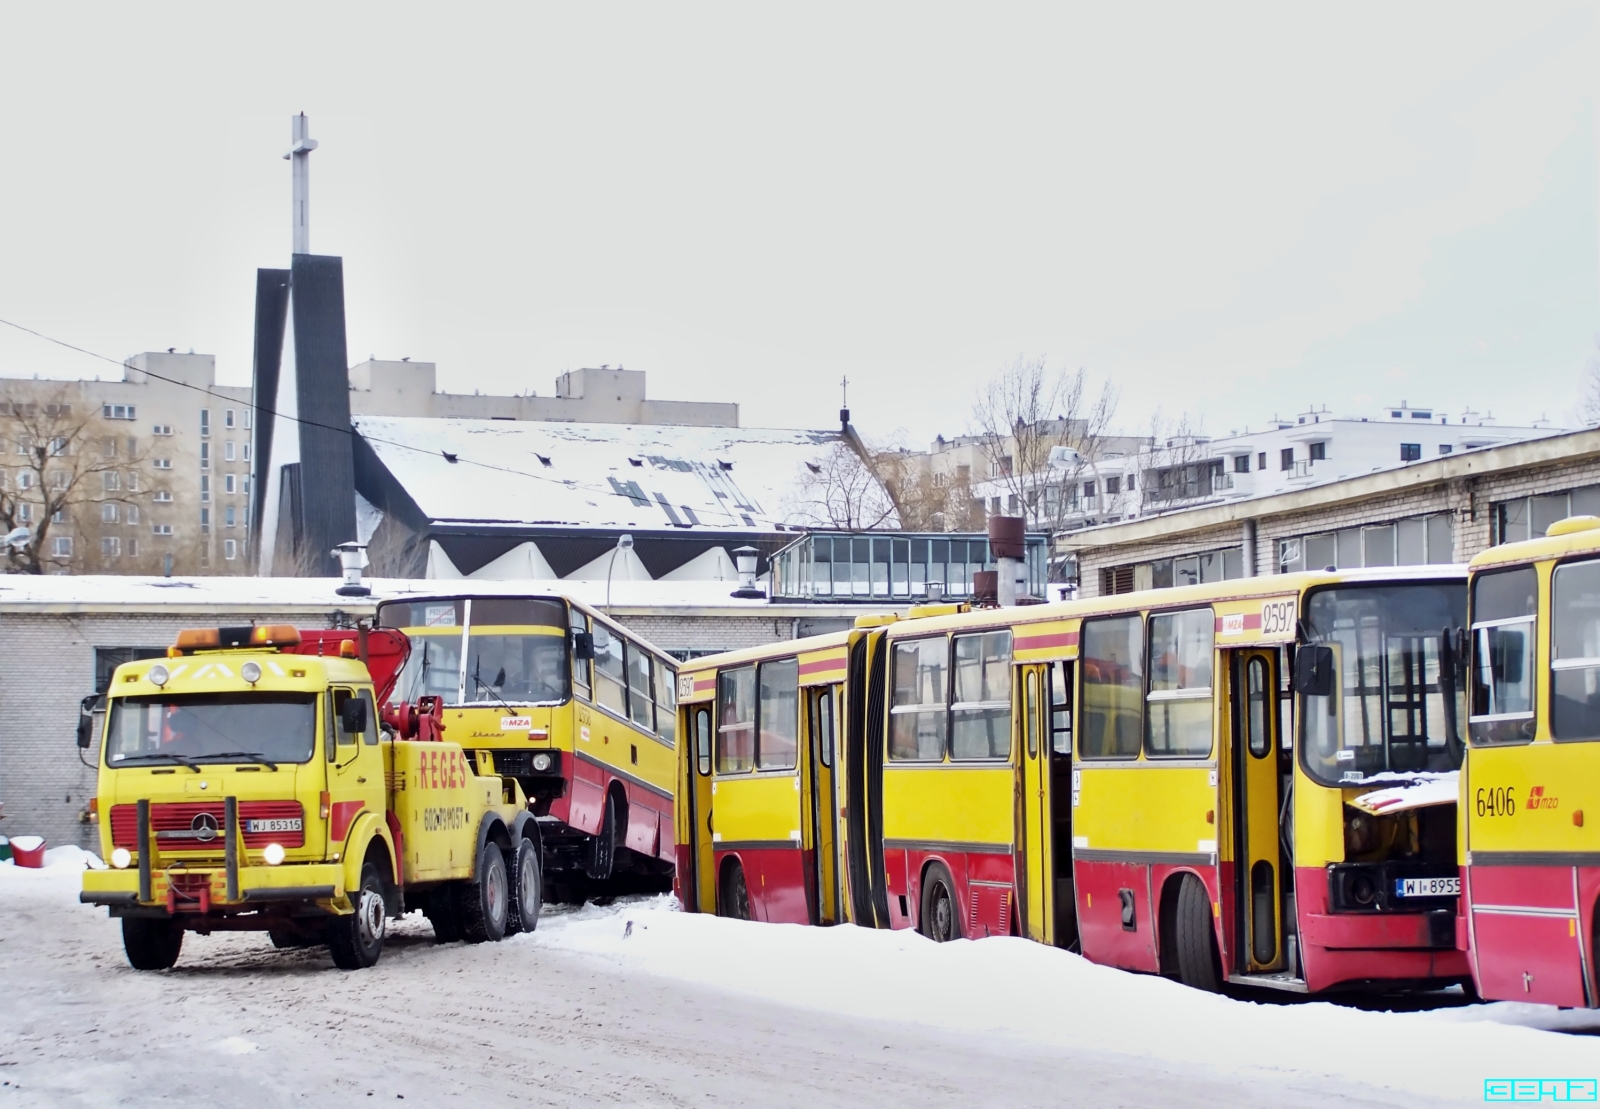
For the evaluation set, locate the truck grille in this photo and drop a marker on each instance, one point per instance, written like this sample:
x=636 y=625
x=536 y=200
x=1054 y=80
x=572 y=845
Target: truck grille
x=180 y=817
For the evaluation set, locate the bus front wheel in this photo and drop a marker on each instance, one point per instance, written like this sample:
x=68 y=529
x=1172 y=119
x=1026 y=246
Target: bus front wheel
x=1193 y=937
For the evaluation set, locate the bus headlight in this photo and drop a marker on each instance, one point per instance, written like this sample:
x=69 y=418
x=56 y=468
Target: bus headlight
x=273 y=854
x=158 y=676
x=541 y=762
x=120 y=858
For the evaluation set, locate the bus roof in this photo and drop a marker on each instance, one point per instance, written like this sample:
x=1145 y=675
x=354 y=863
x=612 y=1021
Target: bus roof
x=1580 y=534
x=504 y=594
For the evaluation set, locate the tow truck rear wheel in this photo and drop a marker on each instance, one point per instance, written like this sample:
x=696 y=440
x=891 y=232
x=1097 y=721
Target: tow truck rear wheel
x=527 y=888
x=151 y=943
x=484 y=902
x=356 y=940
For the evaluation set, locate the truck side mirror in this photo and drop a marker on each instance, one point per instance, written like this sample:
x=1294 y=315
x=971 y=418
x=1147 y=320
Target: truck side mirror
x=1313 y=671
x=583 y=645
x=86 y=720
x=353 y=717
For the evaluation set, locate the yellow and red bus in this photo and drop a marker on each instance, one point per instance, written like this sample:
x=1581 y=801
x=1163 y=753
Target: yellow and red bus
x=579 y=710
x=1530 y=858
x=1177 y=781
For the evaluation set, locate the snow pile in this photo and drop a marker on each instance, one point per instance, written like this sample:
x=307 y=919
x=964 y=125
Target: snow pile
x=1020 y=990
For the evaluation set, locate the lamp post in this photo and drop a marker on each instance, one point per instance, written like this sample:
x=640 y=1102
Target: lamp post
x=624 y=543
x=744 y=560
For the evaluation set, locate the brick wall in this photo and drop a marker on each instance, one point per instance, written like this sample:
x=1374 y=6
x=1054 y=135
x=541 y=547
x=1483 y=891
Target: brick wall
x=48 y=667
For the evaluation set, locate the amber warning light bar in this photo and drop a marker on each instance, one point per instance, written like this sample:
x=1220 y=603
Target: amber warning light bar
x=221 y=639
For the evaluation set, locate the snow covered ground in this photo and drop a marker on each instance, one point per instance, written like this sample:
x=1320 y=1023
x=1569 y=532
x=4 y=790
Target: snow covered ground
x=636 y=1003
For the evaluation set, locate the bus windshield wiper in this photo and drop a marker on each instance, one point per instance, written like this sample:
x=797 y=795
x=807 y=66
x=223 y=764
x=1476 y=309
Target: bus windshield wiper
x=251 y=755
x=165 y=756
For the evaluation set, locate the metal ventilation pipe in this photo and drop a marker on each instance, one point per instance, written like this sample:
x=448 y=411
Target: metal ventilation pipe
x=1007 y=542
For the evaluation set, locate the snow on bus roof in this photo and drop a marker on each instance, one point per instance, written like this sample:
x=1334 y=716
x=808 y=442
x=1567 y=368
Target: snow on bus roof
x=598 y=475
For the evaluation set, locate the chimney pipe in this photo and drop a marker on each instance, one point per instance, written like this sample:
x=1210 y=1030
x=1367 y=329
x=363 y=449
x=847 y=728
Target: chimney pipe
x=1007 y=542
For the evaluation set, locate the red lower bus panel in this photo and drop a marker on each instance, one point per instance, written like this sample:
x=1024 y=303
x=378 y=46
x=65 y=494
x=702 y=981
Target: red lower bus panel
x=984 y=889
x=586 y=806
x=1525 y=933
x=644 y=826
x=1105 y=941
x=775 y=880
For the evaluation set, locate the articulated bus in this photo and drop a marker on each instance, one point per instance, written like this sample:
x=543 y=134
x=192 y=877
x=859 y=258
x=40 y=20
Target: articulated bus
x=1530 y=859
x=1174 y=781
x=547 y=690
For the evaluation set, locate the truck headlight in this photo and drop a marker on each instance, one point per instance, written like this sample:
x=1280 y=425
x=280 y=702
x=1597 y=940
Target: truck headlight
x=273 y=854
x=158 y=676
x=120 y=858
x=541 y=763
x=250 y=672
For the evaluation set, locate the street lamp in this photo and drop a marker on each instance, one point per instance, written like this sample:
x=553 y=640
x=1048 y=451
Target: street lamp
x=624 y=543
x=744 y=560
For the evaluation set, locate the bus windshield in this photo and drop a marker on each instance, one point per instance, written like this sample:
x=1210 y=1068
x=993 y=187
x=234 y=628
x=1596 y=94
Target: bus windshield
x=211 y=727
x=1392 y=707
x=528 y=668
x=433 y=668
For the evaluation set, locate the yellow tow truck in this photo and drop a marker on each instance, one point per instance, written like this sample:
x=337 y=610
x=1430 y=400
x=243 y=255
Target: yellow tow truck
x=256 y=779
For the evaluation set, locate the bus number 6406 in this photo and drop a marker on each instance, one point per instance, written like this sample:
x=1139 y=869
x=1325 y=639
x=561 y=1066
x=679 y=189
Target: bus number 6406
x=1499 y=801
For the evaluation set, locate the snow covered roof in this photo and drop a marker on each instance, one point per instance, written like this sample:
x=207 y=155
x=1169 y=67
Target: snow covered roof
x=599 y=475
x=244 y=595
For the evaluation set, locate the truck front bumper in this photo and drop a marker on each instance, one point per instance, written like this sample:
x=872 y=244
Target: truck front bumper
x=204 y=889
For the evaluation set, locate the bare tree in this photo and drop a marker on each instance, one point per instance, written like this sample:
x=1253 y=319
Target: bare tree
x=1026 y=411
x=842 y=489
x=1178 y=467
x=1589 y=406
x=63 y=475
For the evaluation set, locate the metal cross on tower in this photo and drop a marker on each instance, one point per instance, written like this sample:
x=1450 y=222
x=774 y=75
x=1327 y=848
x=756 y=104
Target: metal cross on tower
x=300 y=157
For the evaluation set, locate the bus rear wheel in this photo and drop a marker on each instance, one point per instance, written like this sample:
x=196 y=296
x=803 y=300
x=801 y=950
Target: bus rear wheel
x=1193 y=937
x=151 y=943
x=940 y=922
x=735 y=894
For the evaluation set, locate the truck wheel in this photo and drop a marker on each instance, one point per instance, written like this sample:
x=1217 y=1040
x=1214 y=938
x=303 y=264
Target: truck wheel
x=1193 y=937
x=485 y=901
x=444 y=914
x=151 y=943
x=356 y=940
x=526 y=888
x=602 y=853
x=285 y=940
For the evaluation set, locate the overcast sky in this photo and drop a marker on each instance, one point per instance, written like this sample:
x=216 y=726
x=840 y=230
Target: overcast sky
x=1229 y=210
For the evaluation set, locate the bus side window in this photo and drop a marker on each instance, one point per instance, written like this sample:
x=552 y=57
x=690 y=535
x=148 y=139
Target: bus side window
x=1061 y=709
x=702 y=740
x=666 y=702
x=579 y=624
x=822 y=724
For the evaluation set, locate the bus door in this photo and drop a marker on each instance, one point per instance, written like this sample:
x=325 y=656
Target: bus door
x=1058 y=792
x=1257 y=879
x=698 y=879
x=822 y=871
x=1034 y=841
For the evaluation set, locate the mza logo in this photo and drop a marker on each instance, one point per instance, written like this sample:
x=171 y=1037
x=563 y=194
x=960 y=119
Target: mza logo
x=1540 y=1089
x=1233 y=623
x=509 y=723
x=1537 y=799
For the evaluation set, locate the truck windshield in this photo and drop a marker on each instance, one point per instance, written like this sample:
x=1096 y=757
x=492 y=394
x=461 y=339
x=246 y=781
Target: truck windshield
x=1393 y=708
x=211 y=727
